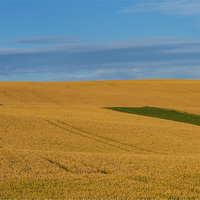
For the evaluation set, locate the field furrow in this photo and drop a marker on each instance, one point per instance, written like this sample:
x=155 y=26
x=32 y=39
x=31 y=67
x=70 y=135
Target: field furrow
x=112 y=142
x=73 y=130
x=11 y=96
x=68 y=169
x=42 y=96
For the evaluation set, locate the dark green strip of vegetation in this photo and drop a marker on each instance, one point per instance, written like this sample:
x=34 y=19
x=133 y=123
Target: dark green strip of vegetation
x=161 y=113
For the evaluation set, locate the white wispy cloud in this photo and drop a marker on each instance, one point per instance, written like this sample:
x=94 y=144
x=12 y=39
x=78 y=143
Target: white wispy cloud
x=128 y=59
x=45 y=40
x=174 y=7
x=88 y=46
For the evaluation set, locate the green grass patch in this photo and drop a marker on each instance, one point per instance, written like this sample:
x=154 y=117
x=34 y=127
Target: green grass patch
x=161 y=113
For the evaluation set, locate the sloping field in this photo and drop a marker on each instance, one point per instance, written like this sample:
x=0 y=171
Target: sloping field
x=58 y=141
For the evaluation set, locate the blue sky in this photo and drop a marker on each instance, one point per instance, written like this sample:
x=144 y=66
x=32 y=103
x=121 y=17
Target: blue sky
x=99 y=40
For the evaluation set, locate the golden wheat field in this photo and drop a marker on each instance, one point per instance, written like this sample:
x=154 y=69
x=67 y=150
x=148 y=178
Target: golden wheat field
x=57 y=141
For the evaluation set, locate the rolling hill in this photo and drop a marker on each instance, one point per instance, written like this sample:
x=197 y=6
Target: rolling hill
x=57 y=140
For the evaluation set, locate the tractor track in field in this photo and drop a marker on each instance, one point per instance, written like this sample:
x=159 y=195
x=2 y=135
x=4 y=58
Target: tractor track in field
x=66 y=168
x=107 y=139
x=104 y=140
x=36 y=93
x=40 y=95
x=10 y=96
x=77 y=170
x=82 y=134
